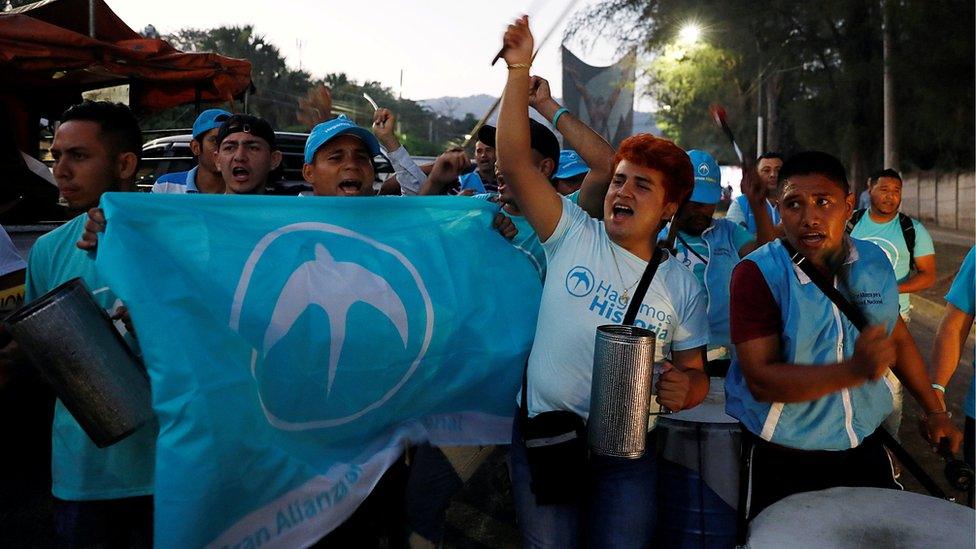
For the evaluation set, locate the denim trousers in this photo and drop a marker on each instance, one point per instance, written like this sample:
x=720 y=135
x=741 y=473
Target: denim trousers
x=618 y=507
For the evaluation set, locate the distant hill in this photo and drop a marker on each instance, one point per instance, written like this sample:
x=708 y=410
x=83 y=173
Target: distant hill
x=477 y=105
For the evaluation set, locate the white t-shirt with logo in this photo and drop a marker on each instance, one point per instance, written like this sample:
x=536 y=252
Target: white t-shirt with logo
x=583 y=291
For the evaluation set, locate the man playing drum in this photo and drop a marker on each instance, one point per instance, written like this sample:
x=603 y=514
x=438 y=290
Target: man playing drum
x=808 y=387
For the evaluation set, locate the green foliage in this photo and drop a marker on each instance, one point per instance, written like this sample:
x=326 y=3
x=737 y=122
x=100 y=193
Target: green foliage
x=686 y=79
x=821 y=64
x=278 y=89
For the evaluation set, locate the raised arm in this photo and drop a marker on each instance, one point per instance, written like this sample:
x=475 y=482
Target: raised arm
x=409 y=176
x=591 y=146
x=535 y=196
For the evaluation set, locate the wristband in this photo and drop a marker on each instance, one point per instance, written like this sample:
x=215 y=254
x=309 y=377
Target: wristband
x=938 y=388
x=520 y=66
x=555 y=118
x=947 y=413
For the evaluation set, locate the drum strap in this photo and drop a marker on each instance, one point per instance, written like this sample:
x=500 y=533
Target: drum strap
x=642 y=286
x=629 y=317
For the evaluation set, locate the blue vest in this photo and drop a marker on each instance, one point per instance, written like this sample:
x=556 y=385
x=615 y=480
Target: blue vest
x=750 y=218
x=815 y=332
x=722 y=258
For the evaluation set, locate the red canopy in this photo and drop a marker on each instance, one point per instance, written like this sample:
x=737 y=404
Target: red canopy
x=46 y=51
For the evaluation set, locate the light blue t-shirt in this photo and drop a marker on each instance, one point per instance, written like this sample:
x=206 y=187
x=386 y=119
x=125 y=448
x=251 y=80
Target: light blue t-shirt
x=79 y=469
x=741 y=212
x=582 y=291
x=962 y=294
x=889 y=238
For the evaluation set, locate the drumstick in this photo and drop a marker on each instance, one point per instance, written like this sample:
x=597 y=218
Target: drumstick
x=718 y=115
x=913 y=467
x=957 y=472
x=491 y=110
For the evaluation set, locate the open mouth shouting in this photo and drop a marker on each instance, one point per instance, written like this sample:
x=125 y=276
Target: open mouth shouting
x=812 y=239
x=240 y=174
x=350 y=187
x=621 y=212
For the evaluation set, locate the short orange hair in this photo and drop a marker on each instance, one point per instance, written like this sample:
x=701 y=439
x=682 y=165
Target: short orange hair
x=659 y=154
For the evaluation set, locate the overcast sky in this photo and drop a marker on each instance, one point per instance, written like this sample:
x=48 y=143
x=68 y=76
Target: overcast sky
x=443 y=47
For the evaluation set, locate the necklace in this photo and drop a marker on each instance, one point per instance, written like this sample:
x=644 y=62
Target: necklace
x=624 y=297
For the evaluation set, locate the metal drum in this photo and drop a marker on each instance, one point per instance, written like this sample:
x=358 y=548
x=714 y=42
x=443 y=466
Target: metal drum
x=620 y=394
x=73 y=343
x=852 y=518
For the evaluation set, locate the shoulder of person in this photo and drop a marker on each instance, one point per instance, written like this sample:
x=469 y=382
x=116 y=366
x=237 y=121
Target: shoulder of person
x=174 y=177
x=55 y=237
x=870 y=252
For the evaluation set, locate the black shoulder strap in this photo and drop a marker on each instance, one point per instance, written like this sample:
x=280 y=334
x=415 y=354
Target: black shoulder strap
x=645 y=281
x=849 y=309
x=908 y=232
x=855 y=218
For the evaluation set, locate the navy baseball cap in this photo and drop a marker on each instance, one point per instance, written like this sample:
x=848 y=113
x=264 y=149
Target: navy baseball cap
x=330 y=129
x=541 y=138
x=208 y=120
x=570 y=165
x=247 y=123
x=708 y=178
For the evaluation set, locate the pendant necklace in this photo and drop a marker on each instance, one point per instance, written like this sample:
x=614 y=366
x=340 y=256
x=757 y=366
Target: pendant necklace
x=624 y=297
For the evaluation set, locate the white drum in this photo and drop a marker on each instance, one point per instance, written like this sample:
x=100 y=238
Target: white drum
x=863 y=517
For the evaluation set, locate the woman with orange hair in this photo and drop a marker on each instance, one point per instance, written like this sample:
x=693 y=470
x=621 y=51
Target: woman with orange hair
x=593 y=269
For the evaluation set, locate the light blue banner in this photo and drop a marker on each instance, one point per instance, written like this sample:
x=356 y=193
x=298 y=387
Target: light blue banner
x=294 y=344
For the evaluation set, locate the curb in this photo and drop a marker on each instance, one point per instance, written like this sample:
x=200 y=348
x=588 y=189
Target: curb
x=930 y=312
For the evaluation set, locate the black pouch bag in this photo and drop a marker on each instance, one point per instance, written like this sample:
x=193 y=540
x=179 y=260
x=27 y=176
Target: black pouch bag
x=555 y=447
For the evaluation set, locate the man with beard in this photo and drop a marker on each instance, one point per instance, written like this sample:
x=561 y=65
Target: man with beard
x=805 y=383
x=103 y=496
x=904 y=240
x=909 y=249
x=712 y=247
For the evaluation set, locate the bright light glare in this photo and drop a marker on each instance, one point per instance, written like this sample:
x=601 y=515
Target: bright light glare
x=689 y=33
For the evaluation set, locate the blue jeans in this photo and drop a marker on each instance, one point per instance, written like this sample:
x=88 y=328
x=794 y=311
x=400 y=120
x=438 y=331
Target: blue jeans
x=619 y=507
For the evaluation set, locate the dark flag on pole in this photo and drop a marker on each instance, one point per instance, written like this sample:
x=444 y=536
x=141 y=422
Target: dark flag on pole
x=602 y=97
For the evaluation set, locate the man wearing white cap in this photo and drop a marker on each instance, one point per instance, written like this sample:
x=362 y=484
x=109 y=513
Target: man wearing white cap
x=204 y=177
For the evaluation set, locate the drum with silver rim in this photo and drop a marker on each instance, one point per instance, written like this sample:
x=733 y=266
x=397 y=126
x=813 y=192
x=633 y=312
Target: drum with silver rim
x=862 y=517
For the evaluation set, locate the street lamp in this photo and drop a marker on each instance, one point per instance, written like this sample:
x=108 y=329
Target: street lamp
x=690 y=33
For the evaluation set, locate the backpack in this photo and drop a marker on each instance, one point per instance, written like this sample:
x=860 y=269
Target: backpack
x=907 y=232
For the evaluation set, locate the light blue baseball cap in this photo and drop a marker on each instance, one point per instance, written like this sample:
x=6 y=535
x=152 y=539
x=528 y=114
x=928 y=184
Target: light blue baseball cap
x=208 y=120
x=708 y=178
x=570 y=165
x=330 y=129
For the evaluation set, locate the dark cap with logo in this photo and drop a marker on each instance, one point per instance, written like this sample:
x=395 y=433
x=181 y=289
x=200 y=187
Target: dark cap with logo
x=248 y=124
x=542 y=138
